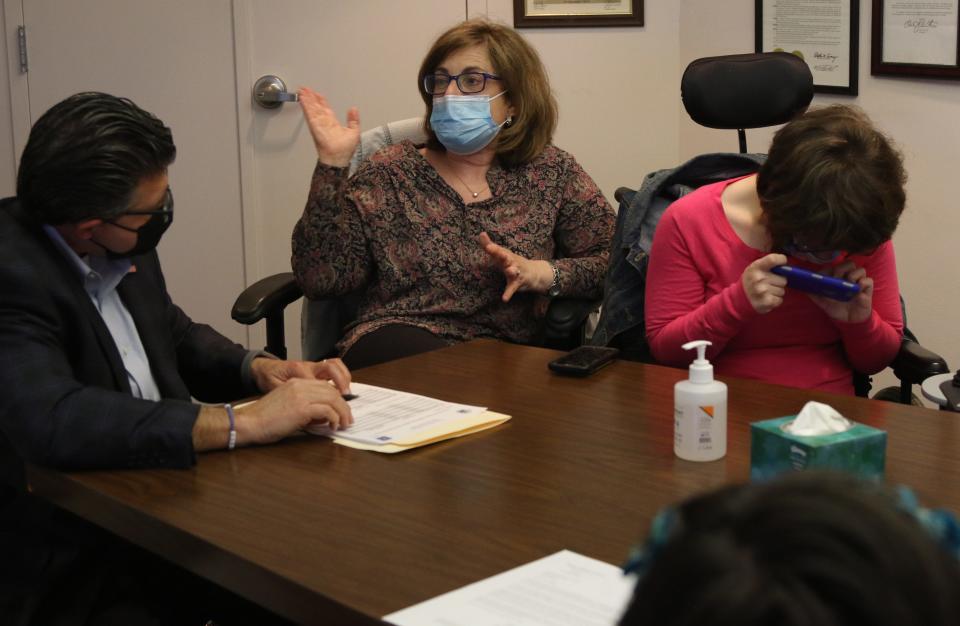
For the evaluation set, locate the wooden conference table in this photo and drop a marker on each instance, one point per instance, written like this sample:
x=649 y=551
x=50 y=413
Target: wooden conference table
x=321 y=533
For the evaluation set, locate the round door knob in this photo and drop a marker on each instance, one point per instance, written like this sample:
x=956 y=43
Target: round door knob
x=271 y=92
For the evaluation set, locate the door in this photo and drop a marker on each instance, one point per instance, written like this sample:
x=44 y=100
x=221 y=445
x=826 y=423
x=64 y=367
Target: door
x=365 y=54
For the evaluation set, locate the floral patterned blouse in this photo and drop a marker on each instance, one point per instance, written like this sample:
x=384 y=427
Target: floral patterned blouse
x=400 y=231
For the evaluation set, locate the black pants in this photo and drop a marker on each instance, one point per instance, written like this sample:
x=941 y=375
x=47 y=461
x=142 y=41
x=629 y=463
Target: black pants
x=391 y=342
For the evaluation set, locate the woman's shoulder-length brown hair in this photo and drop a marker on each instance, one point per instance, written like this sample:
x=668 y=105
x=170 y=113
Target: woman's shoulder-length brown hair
x=521 y=73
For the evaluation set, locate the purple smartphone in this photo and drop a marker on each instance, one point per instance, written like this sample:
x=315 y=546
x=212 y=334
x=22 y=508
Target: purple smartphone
x=828 y=286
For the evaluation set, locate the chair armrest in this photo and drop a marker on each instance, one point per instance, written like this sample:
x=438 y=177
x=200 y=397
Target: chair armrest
x=565 y=316
x=265 y=297
x=624 y=194
x=914 y=363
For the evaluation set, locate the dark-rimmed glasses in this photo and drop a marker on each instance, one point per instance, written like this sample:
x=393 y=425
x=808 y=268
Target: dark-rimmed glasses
x=467 y=82
x=165 y=210
x=819 y=255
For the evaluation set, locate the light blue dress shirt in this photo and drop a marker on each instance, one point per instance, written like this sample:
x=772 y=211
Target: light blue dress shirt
x=100 y=277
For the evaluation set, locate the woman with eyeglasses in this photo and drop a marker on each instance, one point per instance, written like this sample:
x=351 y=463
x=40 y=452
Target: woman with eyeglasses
x=467 y=236
x=827 y=199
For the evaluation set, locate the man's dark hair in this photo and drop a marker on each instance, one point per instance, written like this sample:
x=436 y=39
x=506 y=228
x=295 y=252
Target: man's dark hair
x=811 y=549
x=833 y=181
x=87 y=154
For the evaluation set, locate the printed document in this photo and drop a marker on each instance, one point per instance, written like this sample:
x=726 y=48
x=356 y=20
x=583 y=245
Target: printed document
x=563 y=589
x=386 y=420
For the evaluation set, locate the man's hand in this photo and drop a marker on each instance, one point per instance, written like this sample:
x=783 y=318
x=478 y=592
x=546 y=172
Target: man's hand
x=271 y=373
x=764 y=289
x=290 y=408
x=286 y=410
x=860 y=307
x=521 y=273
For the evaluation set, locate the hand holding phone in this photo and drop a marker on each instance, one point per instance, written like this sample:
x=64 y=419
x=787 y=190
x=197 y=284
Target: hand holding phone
x=812 y=282
x=583 y=361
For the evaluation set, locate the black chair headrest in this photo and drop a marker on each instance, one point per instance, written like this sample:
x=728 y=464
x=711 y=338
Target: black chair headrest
x=746 y=90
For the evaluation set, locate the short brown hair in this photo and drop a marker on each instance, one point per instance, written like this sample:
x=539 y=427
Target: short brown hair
x=523 y=76
x=833 y=181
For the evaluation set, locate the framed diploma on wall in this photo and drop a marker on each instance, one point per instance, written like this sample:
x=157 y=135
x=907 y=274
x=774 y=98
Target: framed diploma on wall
x=824 y=33
x=565 y=13
x=912 y=38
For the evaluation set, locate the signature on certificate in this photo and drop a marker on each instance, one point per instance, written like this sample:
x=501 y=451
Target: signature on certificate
x=825 y=61
x=920 y=25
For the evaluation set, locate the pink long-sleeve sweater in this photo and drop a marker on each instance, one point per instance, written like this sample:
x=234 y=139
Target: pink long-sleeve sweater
x=694 y=291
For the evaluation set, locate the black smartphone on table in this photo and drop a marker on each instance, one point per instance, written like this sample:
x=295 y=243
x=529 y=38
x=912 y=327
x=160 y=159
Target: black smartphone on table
x=584 y=360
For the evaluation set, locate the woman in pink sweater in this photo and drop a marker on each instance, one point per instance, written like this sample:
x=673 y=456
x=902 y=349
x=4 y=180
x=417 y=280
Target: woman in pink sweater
x=828 y=199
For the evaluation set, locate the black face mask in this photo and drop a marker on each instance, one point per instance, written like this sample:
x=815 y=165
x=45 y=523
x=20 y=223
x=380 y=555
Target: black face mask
x=148 y=235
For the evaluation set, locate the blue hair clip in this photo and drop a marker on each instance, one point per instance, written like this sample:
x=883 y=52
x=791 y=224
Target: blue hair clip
x=643 y=555
x=941 y=524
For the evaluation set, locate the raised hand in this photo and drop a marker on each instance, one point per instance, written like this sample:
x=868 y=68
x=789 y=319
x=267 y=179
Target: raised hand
x=860 y=307
x=764 y=289
x=334 y=142
x=521 y=273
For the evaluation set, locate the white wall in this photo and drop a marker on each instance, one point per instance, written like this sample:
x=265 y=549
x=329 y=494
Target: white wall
x=920 y=115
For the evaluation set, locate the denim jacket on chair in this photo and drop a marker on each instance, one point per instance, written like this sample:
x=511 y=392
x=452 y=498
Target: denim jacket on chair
x=621 y=319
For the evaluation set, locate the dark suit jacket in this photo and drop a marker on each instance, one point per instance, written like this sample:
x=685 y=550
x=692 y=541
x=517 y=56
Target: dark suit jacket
x=65 y=400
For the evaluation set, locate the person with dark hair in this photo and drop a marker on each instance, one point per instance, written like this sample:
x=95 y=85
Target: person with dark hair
x=97 y=365
x=809 y=549
x=464 y=237
x=827 y=199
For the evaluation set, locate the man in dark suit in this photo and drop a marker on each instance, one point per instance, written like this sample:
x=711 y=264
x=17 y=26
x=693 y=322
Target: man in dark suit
x=98 y=366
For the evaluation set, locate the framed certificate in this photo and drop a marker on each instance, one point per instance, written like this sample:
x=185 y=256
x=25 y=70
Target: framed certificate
x=553 y=13
x=824 y=33
x=912 y=38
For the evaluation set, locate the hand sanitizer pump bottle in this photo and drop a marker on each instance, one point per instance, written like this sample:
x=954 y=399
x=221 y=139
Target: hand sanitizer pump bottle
x=700 y=411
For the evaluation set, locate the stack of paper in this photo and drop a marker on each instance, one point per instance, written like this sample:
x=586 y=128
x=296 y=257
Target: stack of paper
x=391 y=421
x=563 y=589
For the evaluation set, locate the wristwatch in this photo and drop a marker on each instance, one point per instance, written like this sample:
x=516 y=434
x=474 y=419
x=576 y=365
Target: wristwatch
x=554 y=289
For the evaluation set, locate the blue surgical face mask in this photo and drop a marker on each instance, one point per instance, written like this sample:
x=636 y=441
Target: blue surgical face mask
x=464 y=124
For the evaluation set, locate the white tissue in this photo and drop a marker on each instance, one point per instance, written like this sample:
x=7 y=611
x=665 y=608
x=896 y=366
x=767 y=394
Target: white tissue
x=816 y=418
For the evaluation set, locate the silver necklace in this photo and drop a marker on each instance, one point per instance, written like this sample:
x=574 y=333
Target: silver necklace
x=475 y=194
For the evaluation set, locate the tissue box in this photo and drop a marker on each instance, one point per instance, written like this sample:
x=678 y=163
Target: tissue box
x=860 y=450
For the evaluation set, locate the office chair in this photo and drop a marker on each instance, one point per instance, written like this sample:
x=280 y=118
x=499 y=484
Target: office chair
x=324 y=320
x=726 y=92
